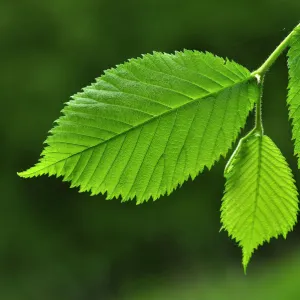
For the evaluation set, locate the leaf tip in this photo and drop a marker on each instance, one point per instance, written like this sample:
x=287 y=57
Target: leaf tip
x=245 y=261
x=22 y=174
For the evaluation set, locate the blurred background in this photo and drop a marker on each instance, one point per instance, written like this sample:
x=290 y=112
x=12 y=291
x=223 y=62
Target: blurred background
x=56 y=243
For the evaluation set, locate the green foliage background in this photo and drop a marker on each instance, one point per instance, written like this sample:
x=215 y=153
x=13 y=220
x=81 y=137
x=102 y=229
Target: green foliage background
x=58 y=244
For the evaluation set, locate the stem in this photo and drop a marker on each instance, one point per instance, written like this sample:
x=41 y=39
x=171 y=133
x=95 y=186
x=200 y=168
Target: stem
x=274 y=55
x=260 y=74
x=258 y=112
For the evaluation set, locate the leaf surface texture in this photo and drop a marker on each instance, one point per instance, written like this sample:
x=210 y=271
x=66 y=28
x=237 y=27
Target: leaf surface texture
x=293 y=99
x=144 y=127
x=260 y=199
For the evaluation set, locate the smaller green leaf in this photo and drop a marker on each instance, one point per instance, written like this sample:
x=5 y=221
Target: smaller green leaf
x=260 y=200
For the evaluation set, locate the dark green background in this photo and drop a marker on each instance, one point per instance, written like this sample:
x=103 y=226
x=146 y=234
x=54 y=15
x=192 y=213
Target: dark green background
x=58 y=244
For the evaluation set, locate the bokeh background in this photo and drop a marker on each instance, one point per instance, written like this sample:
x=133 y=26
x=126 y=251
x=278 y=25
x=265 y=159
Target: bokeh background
x=56 y=243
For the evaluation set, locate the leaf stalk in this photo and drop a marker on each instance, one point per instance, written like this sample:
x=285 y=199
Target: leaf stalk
x=258 y=112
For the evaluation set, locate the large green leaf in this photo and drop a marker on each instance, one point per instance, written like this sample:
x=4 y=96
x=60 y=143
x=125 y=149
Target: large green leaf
x=260 y=200
x=144 y=127
x=294 y=88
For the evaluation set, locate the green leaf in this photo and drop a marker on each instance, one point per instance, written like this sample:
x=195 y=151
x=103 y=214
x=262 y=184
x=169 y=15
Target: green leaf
x=260 y=200
x=293 y=99
x=144 y=127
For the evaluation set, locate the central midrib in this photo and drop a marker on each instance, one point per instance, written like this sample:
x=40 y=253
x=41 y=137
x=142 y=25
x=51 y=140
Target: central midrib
x=257 y=185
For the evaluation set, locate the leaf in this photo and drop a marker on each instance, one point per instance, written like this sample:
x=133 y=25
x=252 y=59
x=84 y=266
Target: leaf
x=293 y=99
x=260 y=200
x=144 y=127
